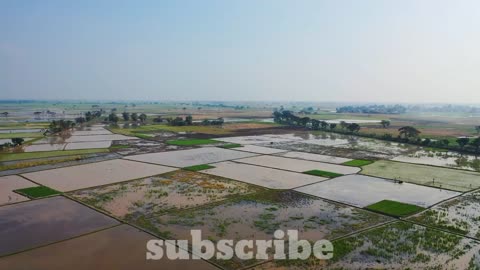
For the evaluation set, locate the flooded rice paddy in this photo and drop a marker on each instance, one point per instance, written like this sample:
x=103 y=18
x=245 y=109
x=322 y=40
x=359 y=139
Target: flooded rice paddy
x=314 y=157
x=261 y=176
x=87 y=145
x=185 y=158
x=442 y=159
x=331 y=151
x=120 y=248
x=404 y=245
x=34 y=223
x=297 y=165
x=137 y=147
x=257 y=216
x=453 y=179
x=459 y=215
x=259 y=149
x=95 y=174
x=361 y=191
x=258 y=139
x=10 y=183
x=171 y=191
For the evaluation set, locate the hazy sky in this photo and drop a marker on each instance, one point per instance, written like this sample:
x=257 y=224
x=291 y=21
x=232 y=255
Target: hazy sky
x=359 y=50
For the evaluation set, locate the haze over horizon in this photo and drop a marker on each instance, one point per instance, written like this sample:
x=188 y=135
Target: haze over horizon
x=348 y=51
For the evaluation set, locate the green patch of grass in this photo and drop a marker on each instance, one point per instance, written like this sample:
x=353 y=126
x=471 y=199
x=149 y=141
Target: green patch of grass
x=197 y=168
x=45 y=154
x=119 y=146
x=323 y=173
x=134 y=131
x=21 y=135
x=358 y=162
x=191 y=142
x=26 y=164
x=394 y=208
x=230 y=145
x=37 y=192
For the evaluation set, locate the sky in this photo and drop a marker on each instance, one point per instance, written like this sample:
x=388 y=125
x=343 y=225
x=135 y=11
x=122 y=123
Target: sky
x=241 y=50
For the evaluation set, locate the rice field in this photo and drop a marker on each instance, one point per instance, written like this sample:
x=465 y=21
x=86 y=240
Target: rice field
x=445 y=178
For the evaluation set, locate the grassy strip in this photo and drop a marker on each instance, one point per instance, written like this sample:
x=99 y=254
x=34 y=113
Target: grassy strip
x=162 y=128
x=197 y=168
x=37 y=192
x=230 y=145
x=21 y=135
x=120 y=146
x=46 y=154
x=358 y=162
x=26 y=164
x=191 y=142
x=323 y=173
x=394 y=208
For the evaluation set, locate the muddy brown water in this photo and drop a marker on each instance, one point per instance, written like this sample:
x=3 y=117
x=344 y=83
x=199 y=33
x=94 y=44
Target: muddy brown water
x=120 y=248
x=175 y=190
x=39 y=222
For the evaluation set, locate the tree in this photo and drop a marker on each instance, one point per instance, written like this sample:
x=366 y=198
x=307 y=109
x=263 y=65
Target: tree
x=304 y=121
x=126 y=116
x=385 y=123
x=408 y=132
x=315 y=124
x=323 y=124
x=343 y=124
x=134 y=117
x=189 y=120
x=333 y=126
x=445 y=142
x=158 y=119
x=17 y=141
x=80 y=120
x=476 y=144
x=142 y=117
x=5 y=114
x=354 y=127
x=477 y=128
x=462 y=142
x=113 y=118
x=426 y=142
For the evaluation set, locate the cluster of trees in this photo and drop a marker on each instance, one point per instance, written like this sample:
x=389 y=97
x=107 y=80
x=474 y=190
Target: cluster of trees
x=188 y=121
x=89 y=116
x=134 y=117
x=60 y=125
x=14 y=142
x=289 y=118
x=179 y=121
x=213 y=122
x=373 y=109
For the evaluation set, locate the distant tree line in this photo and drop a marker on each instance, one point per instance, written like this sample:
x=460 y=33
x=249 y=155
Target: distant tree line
x=373 y=109
x=289 y=118
x=406 y=134
x=188 y=121
x=444 y=108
